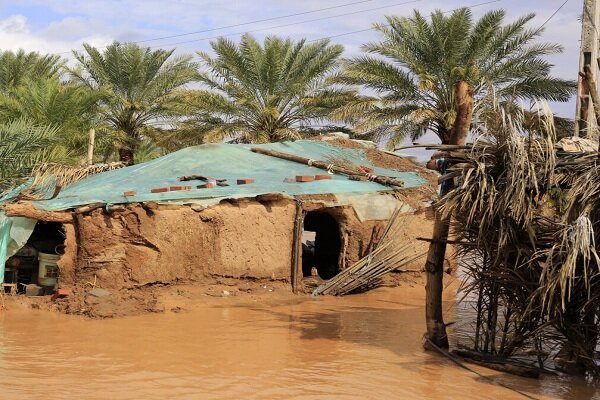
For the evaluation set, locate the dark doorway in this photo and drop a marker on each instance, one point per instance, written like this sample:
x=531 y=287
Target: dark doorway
x=47 y=239
x=323 y=252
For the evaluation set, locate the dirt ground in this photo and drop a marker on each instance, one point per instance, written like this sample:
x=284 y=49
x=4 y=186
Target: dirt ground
x=176 y=298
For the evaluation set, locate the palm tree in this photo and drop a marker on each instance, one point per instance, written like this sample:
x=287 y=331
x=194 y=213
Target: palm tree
x=16 y=67
x=414 y=69
x=142 y=89
x=432 y=75
x=23 y=146
x=47 y=101
x=265 y=93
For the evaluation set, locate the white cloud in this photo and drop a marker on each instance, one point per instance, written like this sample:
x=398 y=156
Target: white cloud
x=16 y=24
x=15 y=34
x=100 y=22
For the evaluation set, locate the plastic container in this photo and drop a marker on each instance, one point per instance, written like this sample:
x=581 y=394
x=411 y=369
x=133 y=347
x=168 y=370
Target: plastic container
x=48 y=269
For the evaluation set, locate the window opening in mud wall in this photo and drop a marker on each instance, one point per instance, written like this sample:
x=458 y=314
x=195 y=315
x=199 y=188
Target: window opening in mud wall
x=321 y=245
x=36 y=261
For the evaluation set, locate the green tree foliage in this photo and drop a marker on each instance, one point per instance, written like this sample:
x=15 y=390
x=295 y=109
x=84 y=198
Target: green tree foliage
x=142 y=90
x=265 y=93
x=17 y=67
x=23 y=146
x=411 y=73
x=46 y=101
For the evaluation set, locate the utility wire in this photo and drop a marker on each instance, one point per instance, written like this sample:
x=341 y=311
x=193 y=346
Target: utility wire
x=246 y=23
x=287 y=25
x=320 y=19
x=308 y=21
x=554 y=13
x=387 y=25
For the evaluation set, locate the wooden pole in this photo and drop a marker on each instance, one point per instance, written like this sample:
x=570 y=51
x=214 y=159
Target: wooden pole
x=384 y=180
x=29 y=211
x=297 y=246
x=593 y=91
x=590 y=24
x=91 y=142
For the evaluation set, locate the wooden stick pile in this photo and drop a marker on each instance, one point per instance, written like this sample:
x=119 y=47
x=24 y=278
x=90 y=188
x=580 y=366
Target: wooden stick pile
x=395 y=249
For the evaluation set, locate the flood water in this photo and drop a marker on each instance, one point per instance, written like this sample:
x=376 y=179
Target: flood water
x=358 y=347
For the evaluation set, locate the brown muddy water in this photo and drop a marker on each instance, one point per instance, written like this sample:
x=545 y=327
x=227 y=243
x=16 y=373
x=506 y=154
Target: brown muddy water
x=364 y=346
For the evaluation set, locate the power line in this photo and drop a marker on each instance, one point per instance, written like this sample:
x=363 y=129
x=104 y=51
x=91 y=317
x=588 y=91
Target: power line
x=246 y=23
x=307 y=21
x=553 y=14
x=372 y=28
x=287 y=25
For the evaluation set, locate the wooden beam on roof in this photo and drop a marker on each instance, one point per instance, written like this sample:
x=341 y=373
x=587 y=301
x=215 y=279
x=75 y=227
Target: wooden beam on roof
x=27 y=210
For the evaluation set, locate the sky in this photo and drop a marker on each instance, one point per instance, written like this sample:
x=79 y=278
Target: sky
x=59 y=26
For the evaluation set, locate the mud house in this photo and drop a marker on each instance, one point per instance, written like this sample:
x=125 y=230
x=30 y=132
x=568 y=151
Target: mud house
x=216 y=209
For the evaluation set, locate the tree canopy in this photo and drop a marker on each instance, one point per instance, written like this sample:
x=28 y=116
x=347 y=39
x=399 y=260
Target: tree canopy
x=265 y=93
x=412 y=71
x=23 y=146
x=17 y=67
x=142 y=90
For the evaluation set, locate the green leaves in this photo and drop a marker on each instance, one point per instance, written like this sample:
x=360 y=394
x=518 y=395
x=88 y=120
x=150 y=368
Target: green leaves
x=138 y=88
x=47 y=101
x=265 y=92
x=24 y=145
x=418 y=62
x=17 y=67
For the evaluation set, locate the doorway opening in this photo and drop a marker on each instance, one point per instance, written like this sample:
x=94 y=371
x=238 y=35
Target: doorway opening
x=35 y=263
x=321 y=245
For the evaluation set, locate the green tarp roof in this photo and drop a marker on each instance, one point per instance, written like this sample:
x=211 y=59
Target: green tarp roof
x=224 y=161
x=219 y=161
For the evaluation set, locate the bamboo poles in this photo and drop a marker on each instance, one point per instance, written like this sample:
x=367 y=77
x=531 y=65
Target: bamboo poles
x=384 y=180
x=393 y=251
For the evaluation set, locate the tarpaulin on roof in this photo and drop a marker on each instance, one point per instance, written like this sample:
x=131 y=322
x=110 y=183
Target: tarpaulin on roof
x=219 y=161
x=225 y=161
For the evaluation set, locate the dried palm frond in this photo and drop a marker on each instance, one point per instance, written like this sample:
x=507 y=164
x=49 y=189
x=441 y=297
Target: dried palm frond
x=49 y=178
x=532 y=271
x=394 y=250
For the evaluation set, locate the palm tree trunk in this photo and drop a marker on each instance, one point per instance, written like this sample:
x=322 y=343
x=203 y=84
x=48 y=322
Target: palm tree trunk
x=434 y=265
x=128 y=145
x=126 y=156
x=434 y=271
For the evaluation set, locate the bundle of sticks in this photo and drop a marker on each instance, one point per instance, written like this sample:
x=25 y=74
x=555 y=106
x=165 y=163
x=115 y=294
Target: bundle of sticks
x=394 y=250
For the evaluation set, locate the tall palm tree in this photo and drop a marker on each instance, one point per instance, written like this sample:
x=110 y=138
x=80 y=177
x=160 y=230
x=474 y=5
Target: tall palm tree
x=23 y=146
x=16 y=67
x=413 y=70
x=46 y=101
x=265 y=93
x=432 y=75
x=143 y=89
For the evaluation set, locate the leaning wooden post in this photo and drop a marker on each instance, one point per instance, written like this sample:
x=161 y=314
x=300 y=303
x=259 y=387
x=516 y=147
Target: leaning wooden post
x=91 y=142
x=434 y=266
x=297 y=246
